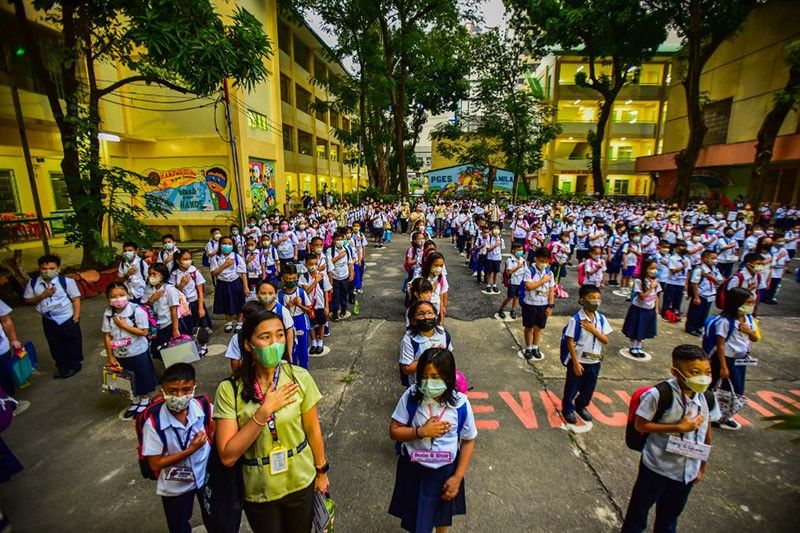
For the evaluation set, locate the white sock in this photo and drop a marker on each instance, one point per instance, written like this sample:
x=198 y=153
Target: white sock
x=530 y=347
x=144 y=401
x=535 y=346
x=135 y=400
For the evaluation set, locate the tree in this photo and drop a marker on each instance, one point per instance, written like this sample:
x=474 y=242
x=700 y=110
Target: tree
x=783 y=102
x=183 y=46
x=512 y=121
x=702 y=25
x=614 y=36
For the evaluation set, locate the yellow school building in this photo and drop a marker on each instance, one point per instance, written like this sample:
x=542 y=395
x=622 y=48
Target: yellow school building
x=179 y=143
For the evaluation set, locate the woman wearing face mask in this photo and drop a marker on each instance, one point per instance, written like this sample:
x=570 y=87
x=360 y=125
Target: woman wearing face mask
x=736 y=330
x=640 y=321
x=267 y=417
x=433 y=270
x=435 y=431
x=189 y=280
x=231 y=272
x=163 y=299
x=125 y=327
x=421 y=334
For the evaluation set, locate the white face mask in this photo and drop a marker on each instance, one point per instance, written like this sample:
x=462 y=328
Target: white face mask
x=436 y=270
x=177 y=404
x=186 y=263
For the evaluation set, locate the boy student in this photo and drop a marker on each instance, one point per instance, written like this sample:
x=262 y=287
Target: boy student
x=515 y=268
x=494 y=248
x=168 y=251
x=537 y=304
x=678 y=266
x=585 y=349
x=212 y=249
x=480 y=248
x=676 y=450
x=132 y=271
x=703 y=283
x=316 y=285
x=176 y=445
x=341 y=268
x=58 y=300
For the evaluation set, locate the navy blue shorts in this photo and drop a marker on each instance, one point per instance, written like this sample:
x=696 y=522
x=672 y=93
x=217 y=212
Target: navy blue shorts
x=533 y=316
x=629 y=270
x=319 y=317
x=513 y=291
x=492 y=266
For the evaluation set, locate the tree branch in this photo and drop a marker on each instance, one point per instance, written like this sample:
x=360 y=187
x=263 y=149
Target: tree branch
x=149 y=79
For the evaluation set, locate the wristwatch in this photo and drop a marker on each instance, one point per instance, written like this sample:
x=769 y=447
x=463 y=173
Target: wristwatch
x=323 y=469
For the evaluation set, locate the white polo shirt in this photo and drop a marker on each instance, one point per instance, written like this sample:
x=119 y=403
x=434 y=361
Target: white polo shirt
x=738 y=345
x=339 y=269
x=5 y=345
x=192 y=286
x=175 y=434
x=408 y=354
x=540 y=295
x=679 y=277
x=516 y=277
x=706 y=289
x=646 y=301
x=162 y=306
x=318 y=296
x=124 y=343
x=57 y=307
x=587 y=342
x=232 y=271
x=137 y=282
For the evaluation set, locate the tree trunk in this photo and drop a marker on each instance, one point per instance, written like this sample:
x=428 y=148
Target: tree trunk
x=596 y=142
x=490 y=178
x=686 y=159
x=768 y=133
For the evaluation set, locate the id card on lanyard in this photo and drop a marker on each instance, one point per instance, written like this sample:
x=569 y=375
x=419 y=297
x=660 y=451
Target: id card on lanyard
x=279 y=456
x=431 y=456
x=691 y=449
x=181 y=473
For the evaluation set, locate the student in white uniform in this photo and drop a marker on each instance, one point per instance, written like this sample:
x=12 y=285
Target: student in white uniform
x=132 y=271
x=703 y=283
x=125 y=326
x=515 y=269
x=168 y=251
x=231 y=273
x=190 y=281
x=777 y=267
x=316 y=285
x=433 y=269
x=678 y=266
x=594 y=268
x=9 y=345
x=341 y=269
x=434 y=427
x=640 y=321
x=175 y=441
x=494 y=254
x=421 y=334
x=163 y=298
x=58 y=300
x=286 y=243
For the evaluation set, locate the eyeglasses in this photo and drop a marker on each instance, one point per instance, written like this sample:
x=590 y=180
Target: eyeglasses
x=429 y=314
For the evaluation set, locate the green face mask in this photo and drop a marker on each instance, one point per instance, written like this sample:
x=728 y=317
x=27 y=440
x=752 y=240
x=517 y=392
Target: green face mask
x=433 y=388
x=290 y=284
x=270 y=356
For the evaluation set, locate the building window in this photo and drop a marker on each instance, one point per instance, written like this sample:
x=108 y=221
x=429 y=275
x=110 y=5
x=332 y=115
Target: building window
x=322 y=149
x=304 y=142
x=288 y=138
x=320 y=70
x=334 y=118
x=620 y=186
x=257 y=121
x=302 y=99
x=284 y=38
x=302 y=55
x=335 y=153
x=624 y=153
x=346 y=124
x=52 y=52
x=286 y=89
x=60 y=194
x=717 y=116
x=8 y=192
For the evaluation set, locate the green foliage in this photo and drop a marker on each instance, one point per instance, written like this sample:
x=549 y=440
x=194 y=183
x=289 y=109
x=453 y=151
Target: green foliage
x=786 y=422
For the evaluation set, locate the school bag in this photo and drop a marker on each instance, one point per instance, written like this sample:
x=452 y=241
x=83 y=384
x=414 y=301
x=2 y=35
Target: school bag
x=415 y=346
x=581 y=273
x=62 y=280
x=565 y=355
x=411 y=408
x=710 y=329
x=719 y=300
x=616 y=260
x=521 y=290
x=636 y=440
x=506 y=277
x=152 y=412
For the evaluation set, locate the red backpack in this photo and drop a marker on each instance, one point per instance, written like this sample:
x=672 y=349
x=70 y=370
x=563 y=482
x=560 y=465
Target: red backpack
x=581 y=273
x=719 y=300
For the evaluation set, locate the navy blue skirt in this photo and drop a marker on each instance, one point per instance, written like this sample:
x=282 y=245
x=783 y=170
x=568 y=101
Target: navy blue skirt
x=417 y=497
x=144 y=373
x=9 y=464
x=229 y=297
x=194 y=321
x=639 y=323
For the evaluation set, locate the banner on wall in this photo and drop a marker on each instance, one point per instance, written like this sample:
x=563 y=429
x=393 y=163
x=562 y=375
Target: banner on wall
x=191 y=188
x=467 y=178
x=262 y=183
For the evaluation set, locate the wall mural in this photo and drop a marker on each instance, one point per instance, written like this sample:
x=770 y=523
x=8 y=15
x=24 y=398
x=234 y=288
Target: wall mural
x=262 y=183
x=191 y=188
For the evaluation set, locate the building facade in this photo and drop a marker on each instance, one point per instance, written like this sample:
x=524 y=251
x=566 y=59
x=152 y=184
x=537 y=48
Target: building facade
x=739 y=82
x=635 y=128
x=181 y=143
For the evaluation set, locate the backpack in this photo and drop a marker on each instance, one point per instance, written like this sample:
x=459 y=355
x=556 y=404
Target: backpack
x=710 y=333
x=152 y=323
x=62 y=280
x=411 y=408
x=415 y=346
x=565 y=355
x=636 y=440
x=506 y=277
x=581 y=273
x=719 y=300
x=616 y=261
x=521 y=290
x=152 y=412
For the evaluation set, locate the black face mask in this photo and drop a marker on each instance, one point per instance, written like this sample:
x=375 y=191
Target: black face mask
x=426 y=324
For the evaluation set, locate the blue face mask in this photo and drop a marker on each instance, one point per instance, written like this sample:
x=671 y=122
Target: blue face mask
x=226 y=248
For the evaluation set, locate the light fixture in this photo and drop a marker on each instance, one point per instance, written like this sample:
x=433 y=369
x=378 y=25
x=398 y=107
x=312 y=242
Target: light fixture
x=622 y=138
x=631 y=69
x=571 y=138
x=628 y=102
x=576 y=102
x=580 y=68
x=108 y=137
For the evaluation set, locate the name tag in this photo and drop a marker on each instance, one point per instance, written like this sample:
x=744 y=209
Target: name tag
x=592 y=356
x=430 y=456
x=278 y=461
x=687 y=448
x=120 y=343
x=179 y=473
x=745 y=361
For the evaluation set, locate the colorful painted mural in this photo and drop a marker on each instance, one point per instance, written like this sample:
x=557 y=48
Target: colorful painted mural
x=463 y=179
x=191 y=188
x=262 y=183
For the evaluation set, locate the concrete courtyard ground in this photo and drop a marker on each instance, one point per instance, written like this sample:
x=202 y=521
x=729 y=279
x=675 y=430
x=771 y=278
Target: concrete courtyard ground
x=529 y=473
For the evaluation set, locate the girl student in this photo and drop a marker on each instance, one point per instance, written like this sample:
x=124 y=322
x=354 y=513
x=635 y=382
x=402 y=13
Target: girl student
x=736 y=330
x=422 y=333
x=316 y=286
x=631 y=257
x=433 y=271
x=420 y=289
x=230 y=270
x=434 y=427
x=299 y=305
x=255 y=262
x=266 y=419
x=125 y=326
x=163 y=298
x=640 y=321
x=272 y=265
x=189 y=280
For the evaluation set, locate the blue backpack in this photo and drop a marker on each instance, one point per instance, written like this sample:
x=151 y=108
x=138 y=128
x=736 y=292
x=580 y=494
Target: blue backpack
x=415 y=347
x=61 y=281
x=710 y=333
x=411 y=407
x=565 y=355
x=616 y=260
x=521 y=290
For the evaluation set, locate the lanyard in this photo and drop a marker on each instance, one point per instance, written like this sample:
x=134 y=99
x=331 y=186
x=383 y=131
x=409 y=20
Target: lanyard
x=260 y=395
x=438 y=418
x=185 y=443
x=682 y=402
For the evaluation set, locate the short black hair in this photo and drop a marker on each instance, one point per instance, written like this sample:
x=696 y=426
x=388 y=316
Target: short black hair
x=542 y=253
x=160 y=268
x=588 y=289
x=49 y=258
x=516 y=245
x=752 y=257
x=289 y=268
x=178 y=372
x=214 y=230
x=707 y=253
x=687 y=352
x=130 y=244
x=311 y=255
x=167 y=236
x=445 y=364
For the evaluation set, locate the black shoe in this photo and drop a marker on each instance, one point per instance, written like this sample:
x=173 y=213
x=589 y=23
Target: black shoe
x=66 y=374
x=584 y=414
x=131 y=412
x=639 y=354
x=334 y=316
x=502 y=314
x=496 y=290
x=513 y=314
x=537 y=354
x=570 y=418
x=527 y=354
